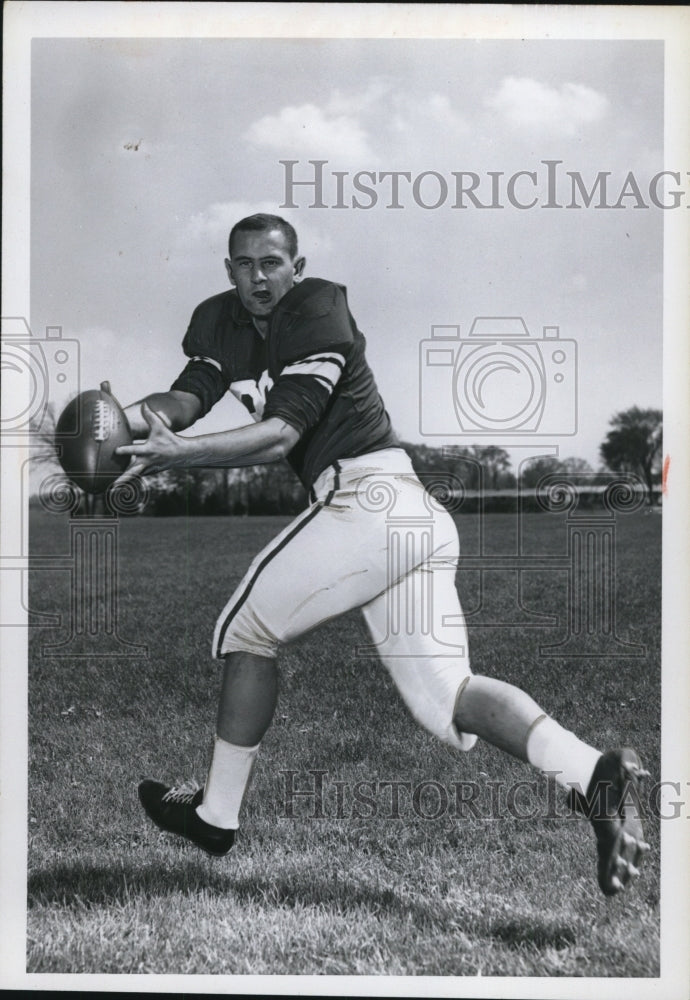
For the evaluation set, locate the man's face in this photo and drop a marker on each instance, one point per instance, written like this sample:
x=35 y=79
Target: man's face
x=262 y=269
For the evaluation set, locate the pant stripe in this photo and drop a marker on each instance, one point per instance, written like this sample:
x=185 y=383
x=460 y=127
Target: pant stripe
x=336 y=484
x=262 y=565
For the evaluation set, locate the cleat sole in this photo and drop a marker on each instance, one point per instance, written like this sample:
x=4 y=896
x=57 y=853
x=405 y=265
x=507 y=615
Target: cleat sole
x=612 y=806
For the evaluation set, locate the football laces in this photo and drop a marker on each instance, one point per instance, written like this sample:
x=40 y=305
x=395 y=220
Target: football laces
x=101 y=420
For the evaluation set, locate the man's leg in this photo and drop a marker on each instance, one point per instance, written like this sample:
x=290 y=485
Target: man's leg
x=248 y=696
x=457 y=706
x=328 y=560
x=511 y=720
x=603 y=786
x=210 y=816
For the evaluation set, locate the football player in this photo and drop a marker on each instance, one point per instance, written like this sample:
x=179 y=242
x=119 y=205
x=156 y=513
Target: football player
x=290 y=350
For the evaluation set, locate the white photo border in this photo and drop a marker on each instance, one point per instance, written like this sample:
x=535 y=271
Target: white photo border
x=23 y=21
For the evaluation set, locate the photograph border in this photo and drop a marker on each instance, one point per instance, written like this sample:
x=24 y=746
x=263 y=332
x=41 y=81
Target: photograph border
x=22 y=22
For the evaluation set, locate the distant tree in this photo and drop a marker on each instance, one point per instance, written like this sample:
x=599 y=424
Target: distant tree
x=634 y=444
x=477 y=467
x=260 y=489
x=495 y=462
x=433 y=464
x=534 y=471
x=428 y=459
x=576 y=466
x=538 y=468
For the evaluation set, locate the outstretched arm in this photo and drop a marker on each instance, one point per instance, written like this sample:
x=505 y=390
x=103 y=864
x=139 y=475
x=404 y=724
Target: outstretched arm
x=178 y=410
x=255 y=444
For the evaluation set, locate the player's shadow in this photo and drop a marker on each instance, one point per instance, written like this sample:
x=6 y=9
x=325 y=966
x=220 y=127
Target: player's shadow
x=79 y=884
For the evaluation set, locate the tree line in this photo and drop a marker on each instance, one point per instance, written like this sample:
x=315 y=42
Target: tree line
x=480 y=474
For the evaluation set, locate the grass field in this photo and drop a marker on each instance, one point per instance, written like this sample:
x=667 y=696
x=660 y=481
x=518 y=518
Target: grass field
x=363 y=889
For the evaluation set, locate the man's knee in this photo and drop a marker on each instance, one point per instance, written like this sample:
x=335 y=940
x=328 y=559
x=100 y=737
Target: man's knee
x=430 y=687
x=244 y=633
x=243 y=661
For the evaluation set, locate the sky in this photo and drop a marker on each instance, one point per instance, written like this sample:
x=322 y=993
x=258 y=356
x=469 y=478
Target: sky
x=145 y=151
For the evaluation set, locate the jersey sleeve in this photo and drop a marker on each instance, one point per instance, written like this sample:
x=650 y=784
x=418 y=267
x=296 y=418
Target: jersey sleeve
x=204 y=374
x=315 y=342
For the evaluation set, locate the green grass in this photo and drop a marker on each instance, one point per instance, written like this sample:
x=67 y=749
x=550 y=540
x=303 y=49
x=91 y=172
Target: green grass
x=355 y=894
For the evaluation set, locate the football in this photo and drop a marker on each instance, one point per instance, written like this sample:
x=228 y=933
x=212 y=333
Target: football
x=88 y=431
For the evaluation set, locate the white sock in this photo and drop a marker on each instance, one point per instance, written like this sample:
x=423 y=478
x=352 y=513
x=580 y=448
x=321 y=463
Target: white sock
x=552 y=748
x=228 y=777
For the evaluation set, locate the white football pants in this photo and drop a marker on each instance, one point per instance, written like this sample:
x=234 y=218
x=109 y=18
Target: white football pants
x=373 y=538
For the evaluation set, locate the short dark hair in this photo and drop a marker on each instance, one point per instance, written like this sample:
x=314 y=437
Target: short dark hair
x=262 y=223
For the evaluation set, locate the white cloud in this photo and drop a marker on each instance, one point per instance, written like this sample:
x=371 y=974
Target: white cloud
x=360 y=127
x=527 y=103
x=442 y=111
x=310 y=131
x=213 y=223
x=422 y=117
x=211 y=226
x=355 y=102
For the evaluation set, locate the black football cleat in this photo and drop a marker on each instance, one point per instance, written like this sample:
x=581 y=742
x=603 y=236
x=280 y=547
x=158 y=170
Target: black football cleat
x=612 y=805
x=174 y=810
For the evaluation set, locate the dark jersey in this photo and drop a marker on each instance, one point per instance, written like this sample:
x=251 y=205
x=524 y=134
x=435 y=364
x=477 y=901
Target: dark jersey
x=310 y=371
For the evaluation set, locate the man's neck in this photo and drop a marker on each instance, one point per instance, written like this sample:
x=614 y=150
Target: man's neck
x=261 y=323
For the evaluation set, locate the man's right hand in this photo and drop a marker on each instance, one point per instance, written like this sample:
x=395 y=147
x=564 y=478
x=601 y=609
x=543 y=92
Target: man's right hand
x=161 y=449
x=178 y=410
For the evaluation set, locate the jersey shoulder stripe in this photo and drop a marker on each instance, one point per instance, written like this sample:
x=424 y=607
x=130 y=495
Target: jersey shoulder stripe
x=326 y=369
x=336 y=359
x=209 y=361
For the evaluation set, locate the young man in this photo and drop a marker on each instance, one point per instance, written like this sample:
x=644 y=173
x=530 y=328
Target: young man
x=290 y=350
